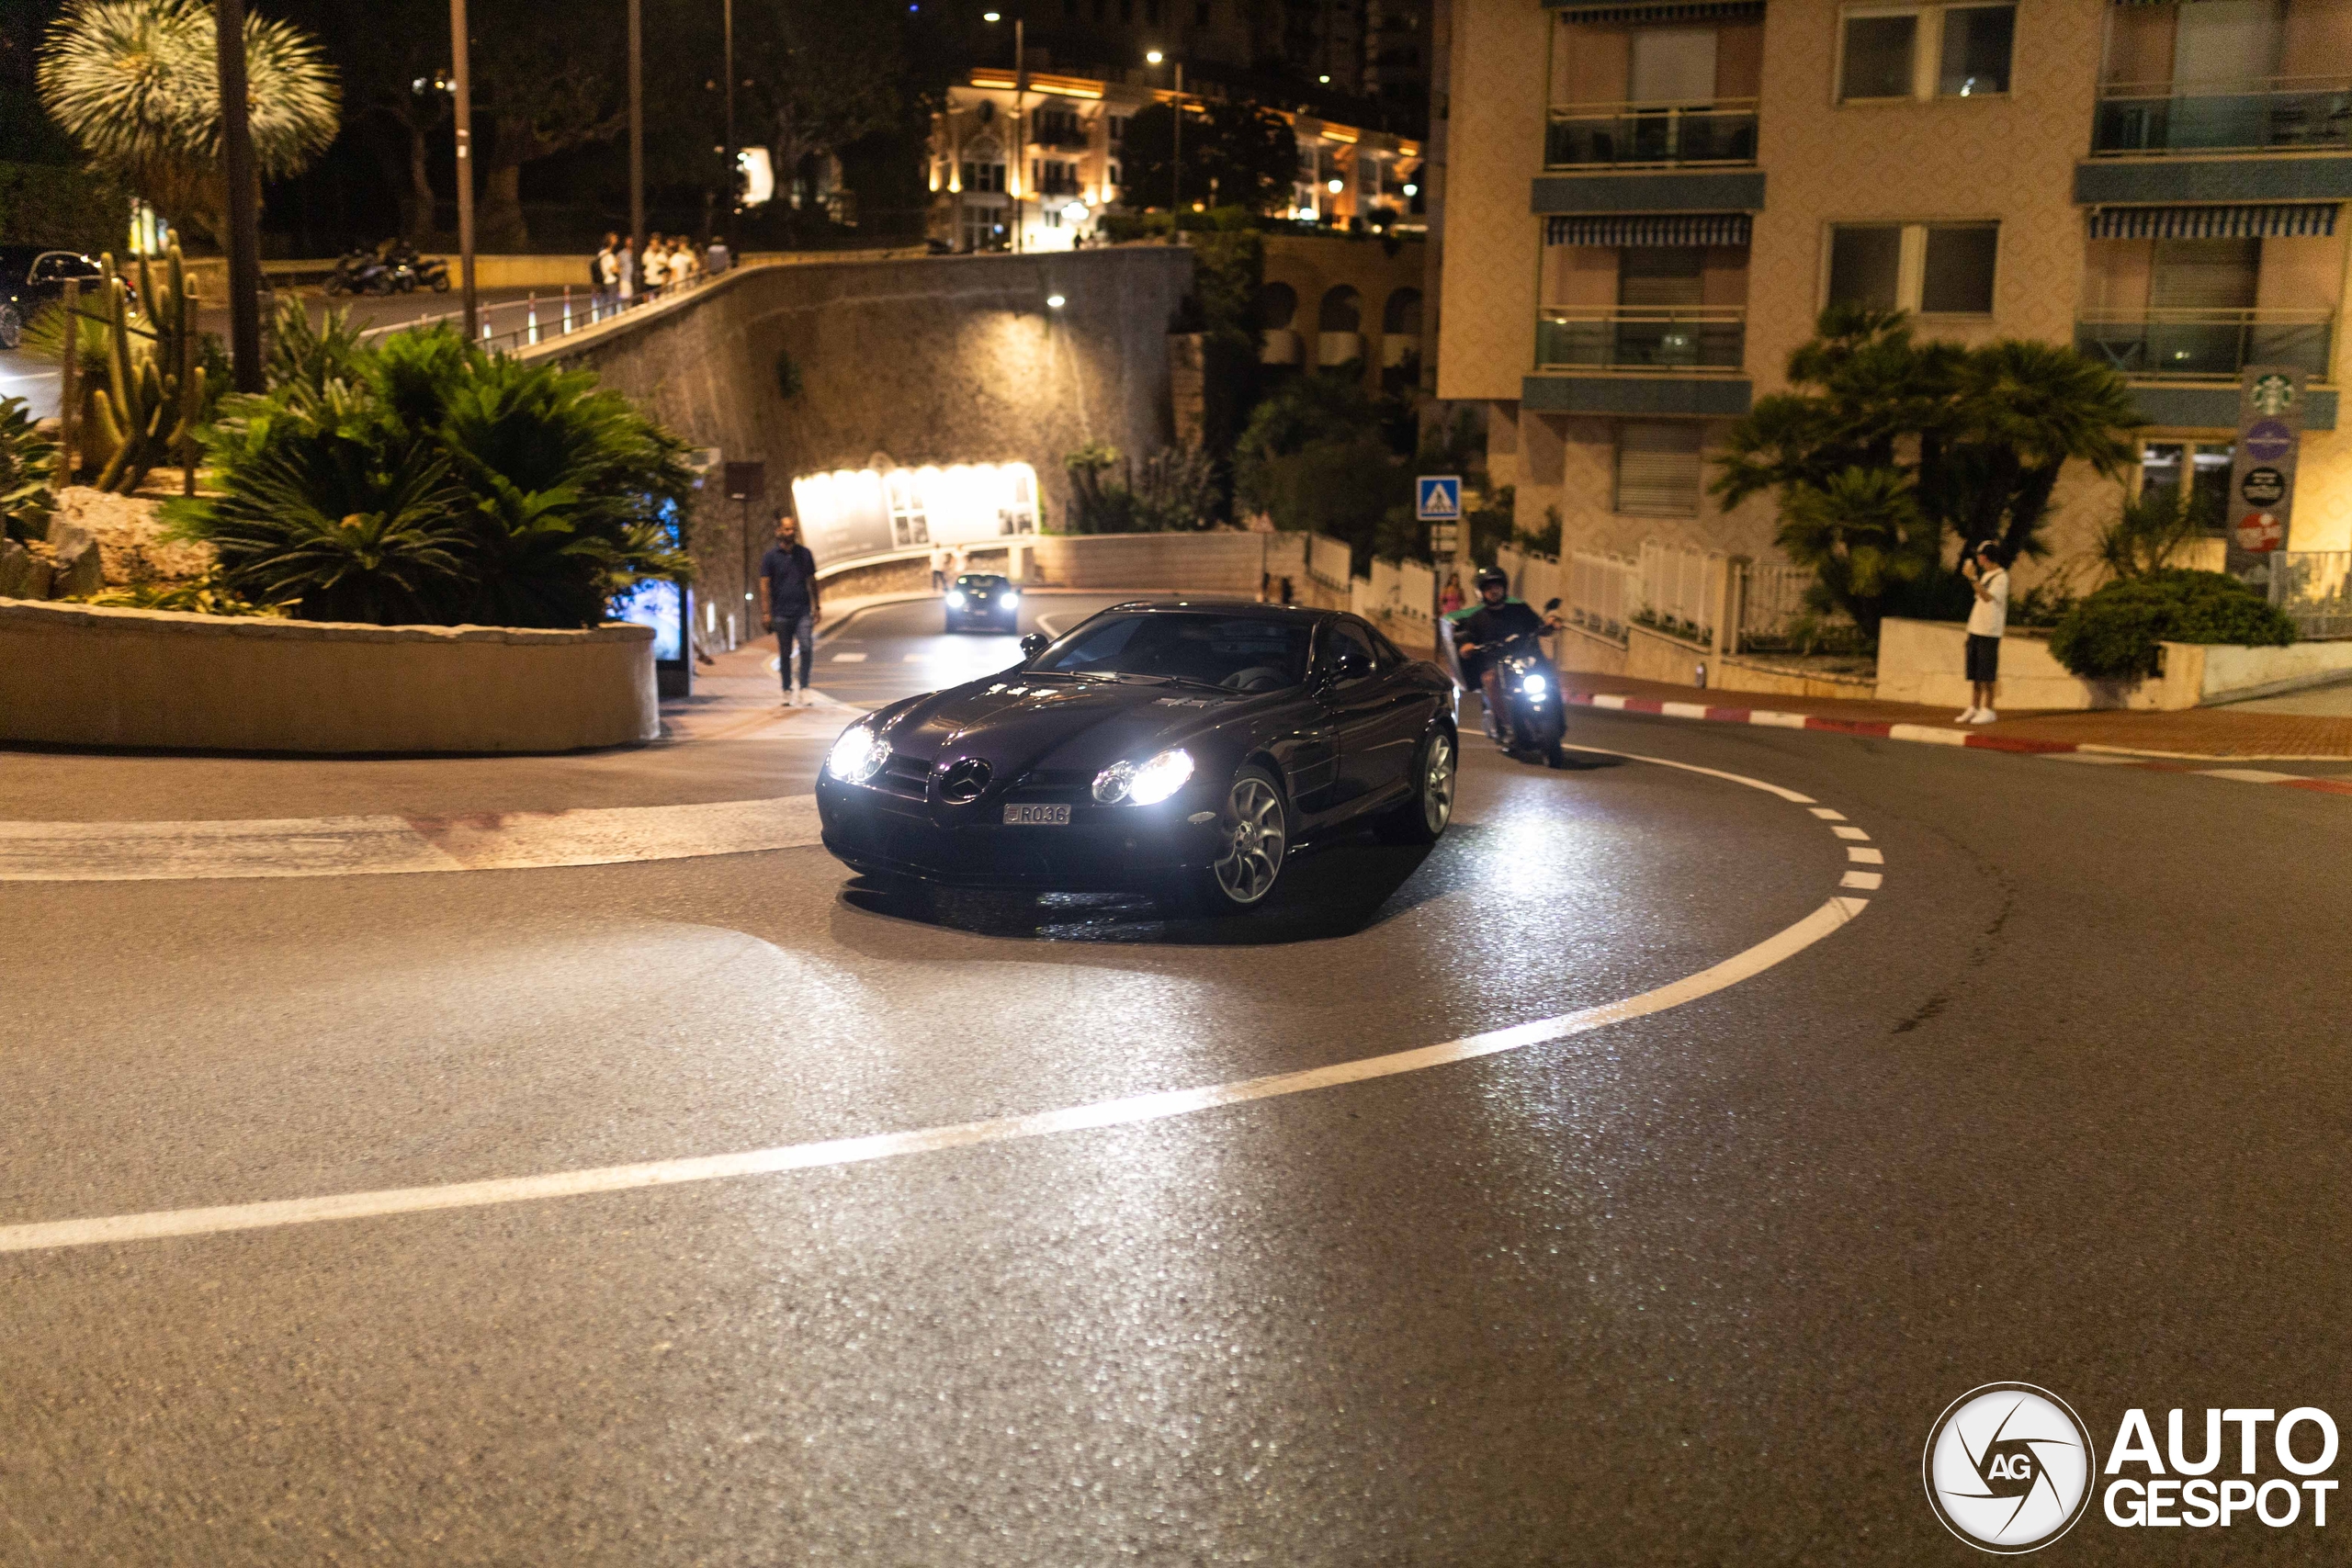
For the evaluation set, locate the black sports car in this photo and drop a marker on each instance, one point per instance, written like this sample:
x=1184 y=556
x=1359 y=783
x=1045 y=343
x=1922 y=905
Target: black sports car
x=31 y=277
x=976 y=599
x=1184 y=746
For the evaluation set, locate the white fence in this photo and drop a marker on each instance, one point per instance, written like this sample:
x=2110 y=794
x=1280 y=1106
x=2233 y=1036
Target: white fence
x=1771 y=597
x=1328 y=560
x=1394 y=588
x=1603 y=589
x=1678 y=588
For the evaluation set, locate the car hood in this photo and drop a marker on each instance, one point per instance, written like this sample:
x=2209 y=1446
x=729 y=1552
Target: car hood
x=1017 y=724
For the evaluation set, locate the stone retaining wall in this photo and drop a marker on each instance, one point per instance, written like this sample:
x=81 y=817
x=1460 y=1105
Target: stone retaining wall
x=77 y=676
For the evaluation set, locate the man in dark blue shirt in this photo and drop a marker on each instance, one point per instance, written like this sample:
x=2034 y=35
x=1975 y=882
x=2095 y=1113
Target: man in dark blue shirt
x=788 y=604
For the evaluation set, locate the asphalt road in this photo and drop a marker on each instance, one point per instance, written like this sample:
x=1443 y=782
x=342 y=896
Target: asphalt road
x=2063 y=1101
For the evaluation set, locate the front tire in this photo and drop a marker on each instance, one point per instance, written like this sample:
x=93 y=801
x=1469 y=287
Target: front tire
x=1255 y=829
x=1422 y=819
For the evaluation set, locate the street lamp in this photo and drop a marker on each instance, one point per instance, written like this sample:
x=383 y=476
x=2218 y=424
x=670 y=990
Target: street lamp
x=1175 y=147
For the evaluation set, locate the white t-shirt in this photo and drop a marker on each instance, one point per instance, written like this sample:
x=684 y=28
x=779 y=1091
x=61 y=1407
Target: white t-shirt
x=1990 y=617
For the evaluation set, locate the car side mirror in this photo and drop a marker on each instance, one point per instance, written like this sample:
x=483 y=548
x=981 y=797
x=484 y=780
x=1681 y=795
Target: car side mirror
x=1034 y=644
x=1550 y=606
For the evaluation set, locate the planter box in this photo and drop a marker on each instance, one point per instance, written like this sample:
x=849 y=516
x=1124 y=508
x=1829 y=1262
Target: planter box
x=79 y=676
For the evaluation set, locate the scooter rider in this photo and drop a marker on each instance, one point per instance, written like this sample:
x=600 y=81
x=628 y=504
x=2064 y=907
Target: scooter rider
x=1483 y=626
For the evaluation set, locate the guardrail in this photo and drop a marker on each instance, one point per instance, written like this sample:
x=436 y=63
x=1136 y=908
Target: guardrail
x=526 y=322
x=1696 y=339
x=1586 y=136
x=2206 y=342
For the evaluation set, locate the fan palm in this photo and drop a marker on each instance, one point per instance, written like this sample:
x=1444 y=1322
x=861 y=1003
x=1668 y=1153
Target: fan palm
x=136 y=83
x=1863 y=535
x=26 y=458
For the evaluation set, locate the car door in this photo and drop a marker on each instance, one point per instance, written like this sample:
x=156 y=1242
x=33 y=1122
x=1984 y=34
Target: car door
x=1370 y=711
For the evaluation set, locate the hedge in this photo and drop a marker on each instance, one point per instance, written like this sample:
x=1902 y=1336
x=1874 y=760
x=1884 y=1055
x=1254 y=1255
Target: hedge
x=61 y=206
x=2112 y=635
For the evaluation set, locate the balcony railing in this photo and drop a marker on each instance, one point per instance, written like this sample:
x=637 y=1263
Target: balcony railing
x=1708 y=340
x=2213 y=344
x=1611 y=136
x=2266 y=115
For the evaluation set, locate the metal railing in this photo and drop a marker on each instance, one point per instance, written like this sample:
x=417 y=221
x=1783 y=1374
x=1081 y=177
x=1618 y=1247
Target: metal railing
x=2210 y=344
x=1603 y=590
x=2236 y=116
x=1677 y=589
x=2315 y=588
x=1585 y=136
x=1769 y=598
x=512 y=325
x=1707 y=339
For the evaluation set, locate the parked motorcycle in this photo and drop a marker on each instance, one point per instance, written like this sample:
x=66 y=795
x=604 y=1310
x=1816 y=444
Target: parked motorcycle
x=360 y=272
x=1532 y=717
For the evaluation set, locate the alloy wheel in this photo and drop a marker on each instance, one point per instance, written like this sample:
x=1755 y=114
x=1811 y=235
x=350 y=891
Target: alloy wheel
x=1437 y=783
x=1256 y=836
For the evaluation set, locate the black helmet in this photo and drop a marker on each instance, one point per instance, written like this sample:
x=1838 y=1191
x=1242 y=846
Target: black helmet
x=1492 y=577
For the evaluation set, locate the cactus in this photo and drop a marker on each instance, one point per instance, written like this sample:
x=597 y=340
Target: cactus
x=145 y=415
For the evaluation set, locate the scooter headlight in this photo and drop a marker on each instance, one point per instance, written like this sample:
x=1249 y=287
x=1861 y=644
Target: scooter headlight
x=1535 y=685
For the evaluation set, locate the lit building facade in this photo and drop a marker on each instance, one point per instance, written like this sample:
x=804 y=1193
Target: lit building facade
x=1034 y=169
x=1648 y=204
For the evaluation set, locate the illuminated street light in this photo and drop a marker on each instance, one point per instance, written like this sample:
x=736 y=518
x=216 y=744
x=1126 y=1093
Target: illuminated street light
x=1336 y=186
x=1412 y=190
x=1054 y=301
x=1154 y=58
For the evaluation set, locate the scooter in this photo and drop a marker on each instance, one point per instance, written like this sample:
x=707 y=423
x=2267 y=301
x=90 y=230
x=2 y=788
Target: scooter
x=1532 y=718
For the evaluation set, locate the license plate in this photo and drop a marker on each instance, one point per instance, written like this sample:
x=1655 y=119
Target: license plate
x=1037 y=816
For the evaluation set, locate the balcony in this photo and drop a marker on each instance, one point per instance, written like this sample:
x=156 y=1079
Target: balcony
x=1645 y=135
x=2207 y=345
x=2301 y=114
x=1695 y=340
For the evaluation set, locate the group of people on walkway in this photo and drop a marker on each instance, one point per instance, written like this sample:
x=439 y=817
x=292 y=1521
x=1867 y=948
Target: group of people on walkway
x=620 y=278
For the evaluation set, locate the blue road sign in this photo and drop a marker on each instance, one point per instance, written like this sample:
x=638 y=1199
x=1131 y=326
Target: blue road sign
x=1438 y=497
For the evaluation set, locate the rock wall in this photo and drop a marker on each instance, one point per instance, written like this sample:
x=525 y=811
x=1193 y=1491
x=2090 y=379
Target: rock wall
x=935 y=359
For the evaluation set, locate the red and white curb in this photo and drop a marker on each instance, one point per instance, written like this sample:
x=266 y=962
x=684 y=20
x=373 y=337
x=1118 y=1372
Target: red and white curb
x=1972 y=739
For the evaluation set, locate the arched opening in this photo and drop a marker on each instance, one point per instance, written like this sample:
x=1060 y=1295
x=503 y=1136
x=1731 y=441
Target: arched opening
x=1342 y=310
x=1277 y=306
x=1402 y=315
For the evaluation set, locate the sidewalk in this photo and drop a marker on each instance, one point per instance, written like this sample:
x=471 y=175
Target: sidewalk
x=2194 y=734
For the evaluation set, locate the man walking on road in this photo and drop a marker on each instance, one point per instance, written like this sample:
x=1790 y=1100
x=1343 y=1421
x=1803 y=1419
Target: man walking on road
x=789 y=603
x=1986 y=621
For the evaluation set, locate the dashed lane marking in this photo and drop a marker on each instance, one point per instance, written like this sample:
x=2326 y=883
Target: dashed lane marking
x=1128 y=1110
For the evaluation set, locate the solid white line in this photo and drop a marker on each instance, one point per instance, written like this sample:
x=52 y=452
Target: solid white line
x=2246 y=775
x=113 y=1228
x=2097 y=757
x=1775 y=948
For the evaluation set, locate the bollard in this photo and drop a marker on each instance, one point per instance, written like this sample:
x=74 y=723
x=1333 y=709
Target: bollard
x=567 y=309
x=531 y=316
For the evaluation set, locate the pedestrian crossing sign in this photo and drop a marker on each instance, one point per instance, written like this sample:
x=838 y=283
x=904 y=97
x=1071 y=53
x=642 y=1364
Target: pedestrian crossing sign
x=1438 y=497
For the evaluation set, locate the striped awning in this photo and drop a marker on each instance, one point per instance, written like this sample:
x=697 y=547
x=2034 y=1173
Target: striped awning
x=1662 y=11
x=2268 y=221
x=1650 y=229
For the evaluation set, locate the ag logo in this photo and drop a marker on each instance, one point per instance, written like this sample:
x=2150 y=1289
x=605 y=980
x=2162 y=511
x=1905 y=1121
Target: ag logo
x=2008 y=1468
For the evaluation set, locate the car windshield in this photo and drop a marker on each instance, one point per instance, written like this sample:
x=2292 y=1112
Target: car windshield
x=1241 y=653
x=980 y=583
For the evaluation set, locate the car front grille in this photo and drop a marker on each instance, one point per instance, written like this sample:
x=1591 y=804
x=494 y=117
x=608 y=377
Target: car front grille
x=906 y=777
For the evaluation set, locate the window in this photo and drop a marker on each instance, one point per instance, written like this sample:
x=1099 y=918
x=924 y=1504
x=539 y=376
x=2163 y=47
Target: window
x=984 y=176
x=1932 y=268
x=1349 y=655
x=1657 y=469
x=2206 y=499
x=1927 y=51
x=1118 y=124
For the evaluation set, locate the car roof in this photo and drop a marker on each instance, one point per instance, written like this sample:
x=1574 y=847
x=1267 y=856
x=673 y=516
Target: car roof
x=1251 y=607
x=982 y=577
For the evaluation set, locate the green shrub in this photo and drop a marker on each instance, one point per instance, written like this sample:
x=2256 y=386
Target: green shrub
x=2112 y=635
x=441 y=484
x=26 y=458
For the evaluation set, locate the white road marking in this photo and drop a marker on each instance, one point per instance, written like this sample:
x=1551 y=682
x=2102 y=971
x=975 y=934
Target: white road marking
x=1845 y=833
x=1863 y=879
x=1861 y=856
x=1828 y=815
x=1776 y=720
x=352 y=846
x=1932 y=737
x=2246 y=775
x=1129 y=1110
x=849 y=659
x=2099 y=758
x=1683 y=710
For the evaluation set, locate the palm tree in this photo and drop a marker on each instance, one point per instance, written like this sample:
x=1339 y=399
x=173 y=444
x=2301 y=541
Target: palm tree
x=1863 y=536
x=136 y=83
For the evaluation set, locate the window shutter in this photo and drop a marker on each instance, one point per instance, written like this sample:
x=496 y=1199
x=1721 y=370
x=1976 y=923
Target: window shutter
x=1657 y=471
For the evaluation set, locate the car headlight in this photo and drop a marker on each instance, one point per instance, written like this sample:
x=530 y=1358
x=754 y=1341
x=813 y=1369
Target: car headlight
x=954 y=601
x=1147 y=783
x=1011 y=598
x=857 y=756
x=1535 y=685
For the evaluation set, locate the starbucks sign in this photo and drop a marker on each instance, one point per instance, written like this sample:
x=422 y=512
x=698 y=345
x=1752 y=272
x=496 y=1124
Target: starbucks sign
x=2262 y=475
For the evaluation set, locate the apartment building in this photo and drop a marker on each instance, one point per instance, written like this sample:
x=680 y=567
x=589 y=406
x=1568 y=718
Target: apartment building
x=1032 y=164
x=1648 y=203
